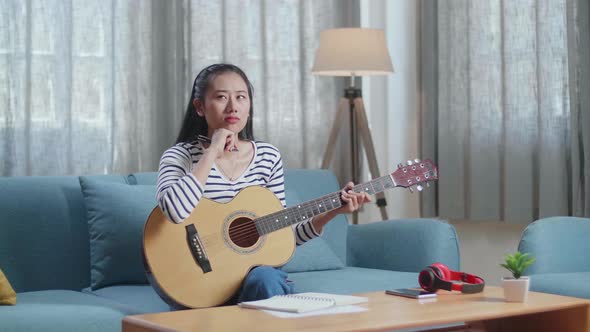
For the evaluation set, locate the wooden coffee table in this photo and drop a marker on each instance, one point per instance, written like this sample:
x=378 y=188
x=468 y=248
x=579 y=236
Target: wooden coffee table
x=485 y=311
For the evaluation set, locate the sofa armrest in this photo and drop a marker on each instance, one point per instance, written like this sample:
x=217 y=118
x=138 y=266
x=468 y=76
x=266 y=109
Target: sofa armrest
x=407 y=245
x=558 y=244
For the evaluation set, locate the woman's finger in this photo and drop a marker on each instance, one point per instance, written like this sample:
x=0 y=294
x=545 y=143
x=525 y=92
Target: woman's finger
x=230 y=142
x=349 y=200
x=353 y=200
x=344 y=192
x=344 y=197
x=362 y=198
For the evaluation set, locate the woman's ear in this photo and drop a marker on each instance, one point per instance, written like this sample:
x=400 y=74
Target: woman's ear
x=198 y=107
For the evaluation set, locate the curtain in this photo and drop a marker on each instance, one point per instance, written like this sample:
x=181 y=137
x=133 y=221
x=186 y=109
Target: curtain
x=497 y=111
x=96 y=87
x=578 y=12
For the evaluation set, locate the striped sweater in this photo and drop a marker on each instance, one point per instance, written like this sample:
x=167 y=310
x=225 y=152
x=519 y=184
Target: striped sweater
x=179 y=191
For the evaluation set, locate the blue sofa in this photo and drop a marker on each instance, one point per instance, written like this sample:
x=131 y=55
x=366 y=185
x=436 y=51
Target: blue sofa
x=71 y=248
x=560 y=246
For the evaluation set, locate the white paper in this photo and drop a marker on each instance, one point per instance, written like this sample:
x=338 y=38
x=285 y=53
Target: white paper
x=303 y=302
x=343 y=309
x=339 y=299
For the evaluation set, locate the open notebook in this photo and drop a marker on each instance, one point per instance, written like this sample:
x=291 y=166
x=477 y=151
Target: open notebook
x=303 y=302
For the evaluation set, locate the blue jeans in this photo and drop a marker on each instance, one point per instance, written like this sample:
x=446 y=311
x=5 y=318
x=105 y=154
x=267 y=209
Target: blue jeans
x=264 y=282
x=261 y=283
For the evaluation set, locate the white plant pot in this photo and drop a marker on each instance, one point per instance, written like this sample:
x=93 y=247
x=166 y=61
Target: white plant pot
x=516 y=290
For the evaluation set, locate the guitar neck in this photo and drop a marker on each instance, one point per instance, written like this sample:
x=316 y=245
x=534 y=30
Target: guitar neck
x=307 y=210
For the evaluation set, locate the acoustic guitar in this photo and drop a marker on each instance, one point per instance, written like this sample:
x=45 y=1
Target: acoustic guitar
x=203 y=261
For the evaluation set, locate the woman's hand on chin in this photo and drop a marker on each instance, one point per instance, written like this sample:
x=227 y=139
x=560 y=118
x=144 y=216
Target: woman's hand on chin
x=223 y=140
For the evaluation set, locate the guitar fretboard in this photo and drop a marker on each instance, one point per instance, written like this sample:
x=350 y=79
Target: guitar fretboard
x=310 y=209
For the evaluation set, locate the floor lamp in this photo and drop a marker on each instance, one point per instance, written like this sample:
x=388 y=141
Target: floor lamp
x=353 y=52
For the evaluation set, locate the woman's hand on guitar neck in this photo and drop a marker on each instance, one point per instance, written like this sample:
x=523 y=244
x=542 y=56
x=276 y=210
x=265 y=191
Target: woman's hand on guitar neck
x=353 y=201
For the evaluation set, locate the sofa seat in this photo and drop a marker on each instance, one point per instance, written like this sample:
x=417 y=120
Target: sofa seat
x=352 y=280
x=567 y=284
x=348 y=280
x=141 y=297
x=62 y=310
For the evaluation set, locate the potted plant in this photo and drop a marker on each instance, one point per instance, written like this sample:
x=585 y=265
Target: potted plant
x=516 y=288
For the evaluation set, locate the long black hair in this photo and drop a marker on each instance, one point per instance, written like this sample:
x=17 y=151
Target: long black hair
x=193 y=124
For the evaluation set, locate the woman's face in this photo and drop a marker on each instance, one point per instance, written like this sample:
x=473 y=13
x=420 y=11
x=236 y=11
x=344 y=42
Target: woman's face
x=227 y=103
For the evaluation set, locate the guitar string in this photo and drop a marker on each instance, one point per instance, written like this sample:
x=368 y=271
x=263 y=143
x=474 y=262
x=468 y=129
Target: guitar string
x=327 y=201
x=266 y=225
x=253 y=236
x=304 y=210
x=291 y=211
x=249 y=232
x=248 y=229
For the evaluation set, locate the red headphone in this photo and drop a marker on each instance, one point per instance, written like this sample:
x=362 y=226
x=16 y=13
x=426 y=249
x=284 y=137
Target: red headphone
x=439 y=276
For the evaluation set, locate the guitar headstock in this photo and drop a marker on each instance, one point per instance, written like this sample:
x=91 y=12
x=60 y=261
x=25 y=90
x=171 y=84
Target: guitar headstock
x=415 y=173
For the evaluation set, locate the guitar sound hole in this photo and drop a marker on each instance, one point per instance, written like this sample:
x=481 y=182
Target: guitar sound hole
x=243 y=233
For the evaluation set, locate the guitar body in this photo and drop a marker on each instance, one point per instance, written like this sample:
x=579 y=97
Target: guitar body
x=228 y=239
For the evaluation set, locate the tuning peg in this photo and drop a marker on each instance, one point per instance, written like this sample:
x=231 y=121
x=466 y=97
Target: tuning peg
x=419 y=187
x=417 y=161
x=411 y=190
x=400 y=165
x=409 y=163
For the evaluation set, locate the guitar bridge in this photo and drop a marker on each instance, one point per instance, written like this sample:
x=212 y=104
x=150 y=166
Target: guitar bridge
x=197 y=249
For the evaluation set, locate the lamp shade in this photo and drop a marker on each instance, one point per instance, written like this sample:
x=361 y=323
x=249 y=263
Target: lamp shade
x=352 y=52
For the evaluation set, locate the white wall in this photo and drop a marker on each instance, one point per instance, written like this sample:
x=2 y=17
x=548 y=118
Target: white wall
x=483 y=246
x=392 y=101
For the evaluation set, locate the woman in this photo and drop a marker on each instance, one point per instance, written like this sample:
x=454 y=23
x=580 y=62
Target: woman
x=220 y=108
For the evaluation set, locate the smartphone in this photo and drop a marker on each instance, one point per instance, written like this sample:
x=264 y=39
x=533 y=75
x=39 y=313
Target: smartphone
x=411 y=293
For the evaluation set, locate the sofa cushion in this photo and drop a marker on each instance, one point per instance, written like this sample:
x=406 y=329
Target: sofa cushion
x=352 y=280
x=62 y=310
x=116 y=215
x=49 y=212
x=144 y=178
x=311 y=184
x=7 y=294
x=388 y=244
x=313 y=255
x=142 y=298
x=567 y=284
